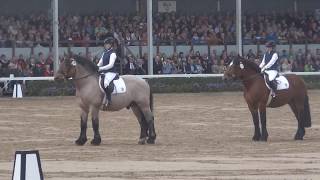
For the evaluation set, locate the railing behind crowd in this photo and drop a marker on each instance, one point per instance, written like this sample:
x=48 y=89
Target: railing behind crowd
x=139 y=48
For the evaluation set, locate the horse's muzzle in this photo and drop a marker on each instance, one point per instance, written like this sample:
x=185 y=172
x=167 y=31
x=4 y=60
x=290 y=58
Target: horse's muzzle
x=58 y=77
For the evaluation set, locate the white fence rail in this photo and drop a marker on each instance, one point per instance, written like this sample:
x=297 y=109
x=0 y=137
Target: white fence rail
x=148 y=76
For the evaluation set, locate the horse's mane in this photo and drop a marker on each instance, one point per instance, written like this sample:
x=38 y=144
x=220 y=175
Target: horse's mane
x=86 y=63
x=252 y=65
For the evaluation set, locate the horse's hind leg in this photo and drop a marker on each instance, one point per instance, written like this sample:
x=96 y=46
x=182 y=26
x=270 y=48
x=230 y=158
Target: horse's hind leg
x=298 y=114
x=83 y=125
x=95 y=125
x=143 y=124
x=150 y=121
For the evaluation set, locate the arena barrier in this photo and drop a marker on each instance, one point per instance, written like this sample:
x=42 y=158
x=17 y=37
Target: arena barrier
x=3 y=79
x=27 y=166
x=19 y=83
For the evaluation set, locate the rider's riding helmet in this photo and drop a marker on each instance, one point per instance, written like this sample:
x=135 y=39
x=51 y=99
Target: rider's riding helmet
x=109 y=40
x=270 y=44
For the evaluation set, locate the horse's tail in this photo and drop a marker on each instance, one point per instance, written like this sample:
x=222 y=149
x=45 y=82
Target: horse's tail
x=306 y=112
x=151 y=100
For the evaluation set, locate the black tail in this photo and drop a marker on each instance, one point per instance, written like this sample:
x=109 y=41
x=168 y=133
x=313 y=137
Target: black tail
x=306 y=112
x=151 y=100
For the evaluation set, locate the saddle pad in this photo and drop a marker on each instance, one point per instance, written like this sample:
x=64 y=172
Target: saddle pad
x=119 y=86
x=282 y=83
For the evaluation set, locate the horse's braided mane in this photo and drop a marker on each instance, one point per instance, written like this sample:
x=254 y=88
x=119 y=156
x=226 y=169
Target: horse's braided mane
x=86 y=63
x=252 y=65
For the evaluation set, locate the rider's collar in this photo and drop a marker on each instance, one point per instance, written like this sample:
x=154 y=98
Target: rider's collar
x=108 y=49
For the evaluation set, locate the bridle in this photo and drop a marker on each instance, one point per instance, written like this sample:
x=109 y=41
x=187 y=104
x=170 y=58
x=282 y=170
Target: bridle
x=82 y=77
x=254 y=76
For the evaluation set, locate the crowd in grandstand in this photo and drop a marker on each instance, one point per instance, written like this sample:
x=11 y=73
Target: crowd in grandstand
x=178 y=63
x=210 y=29
x=213 y=29
x=39 y=65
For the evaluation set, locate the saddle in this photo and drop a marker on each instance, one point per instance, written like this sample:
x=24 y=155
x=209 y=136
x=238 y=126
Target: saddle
x=110 y=88
x=116 y=86
x=280 y=82
x=271 y=84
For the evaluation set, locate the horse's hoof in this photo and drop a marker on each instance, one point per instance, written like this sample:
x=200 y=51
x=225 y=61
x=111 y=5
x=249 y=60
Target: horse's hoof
x=298 y=137
x=81 y=141
x=142 y=141
x=256 y=138
x=96 y=141
x=264 y=138
x=151 y=141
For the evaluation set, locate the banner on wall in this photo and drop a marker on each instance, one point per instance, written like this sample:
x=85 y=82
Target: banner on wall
x=167 y=6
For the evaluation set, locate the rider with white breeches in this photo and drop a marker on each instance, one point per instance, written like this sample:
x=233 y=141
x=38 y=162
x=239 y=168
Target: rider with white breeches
x=269 y=66
x=106 y=65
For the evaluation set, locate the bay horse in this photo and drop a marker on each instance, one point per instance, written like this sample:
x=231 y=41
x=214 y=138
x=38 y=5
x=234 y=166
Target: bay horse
x=138 y=97
x=257 y=94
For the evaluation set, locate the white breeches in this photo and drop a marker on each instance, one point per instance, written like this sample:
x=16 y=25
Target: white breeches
x=109 y=76
x=271 y=74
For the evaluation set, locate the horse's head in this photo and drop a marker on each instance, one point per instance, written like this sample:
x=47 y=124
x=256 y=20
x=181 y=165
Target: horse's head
x=233 y=68
x=67 y=68
x=240 y=68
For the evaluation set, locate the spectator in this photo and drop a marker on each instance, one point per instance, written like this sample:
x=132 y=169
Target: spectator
x=21 y=64
x=198 y=66
x=250 y=55
x=308 y=67
x=317 y=66
x=140 y=69
x=157 y=65
x=297 y=67
x=4 y=61
x=130 y=67
x=13 y=65
x=168 y=67
x=215 y=68
x=286 y=66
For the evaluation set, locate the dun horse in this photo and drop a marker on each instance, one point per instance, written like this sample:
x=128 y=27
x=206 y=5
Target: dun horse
x=257 y=96
x=138 y=97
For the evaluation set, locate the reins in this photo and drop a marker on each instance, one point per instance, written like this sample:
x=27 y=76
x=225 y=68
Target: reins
x=83 y=77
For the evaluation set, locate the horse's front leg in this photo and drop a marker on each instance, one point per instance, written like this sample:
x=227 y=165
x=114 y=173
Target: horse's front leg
x=83 y=126
x=255 y=119
x=95 y=125
x=263 y=119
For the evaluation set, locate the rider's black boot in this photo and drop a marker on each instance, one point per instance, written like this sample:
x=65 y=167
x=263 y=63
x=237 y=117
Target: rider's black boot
x=273 y=86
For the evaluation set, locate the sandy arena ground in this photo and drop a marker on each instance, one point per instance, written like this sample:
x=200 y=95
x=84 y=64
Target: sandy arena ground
x=200 y=136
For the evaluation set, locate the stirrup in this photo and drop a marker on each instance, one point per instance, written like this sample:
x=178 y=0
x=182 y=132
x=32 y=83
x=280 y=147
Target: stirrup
x=108 y=102
x=103 y=107
x=273 y=94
